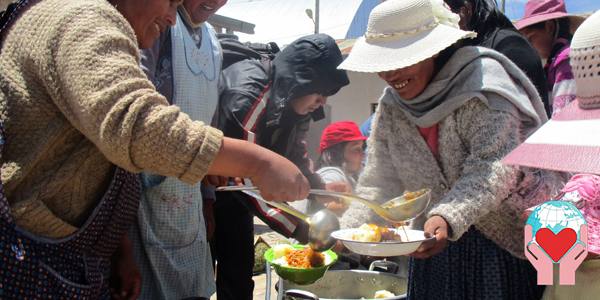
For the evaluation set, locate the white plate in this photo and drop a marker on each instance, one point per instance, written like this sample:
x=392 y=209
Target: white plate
x=383 y=249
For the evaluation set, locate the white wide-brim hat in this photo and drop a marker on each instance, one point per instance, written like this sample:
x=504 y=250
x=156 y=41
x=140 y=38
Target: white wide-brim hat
x=401 y=33
x=570 y=141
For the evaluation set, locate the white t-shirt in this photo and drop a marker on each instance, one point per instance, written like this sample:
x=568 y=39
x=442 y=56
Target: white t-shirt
x=328 y=174
x=332 y=174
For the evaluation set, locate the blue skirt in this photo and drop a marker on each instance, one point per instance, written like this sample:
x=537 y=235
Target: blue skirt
x=473 y=267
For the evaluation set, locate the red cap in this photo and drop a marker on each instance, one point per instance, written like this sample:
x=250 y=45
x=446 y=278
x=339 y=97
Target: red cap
x=339 y=132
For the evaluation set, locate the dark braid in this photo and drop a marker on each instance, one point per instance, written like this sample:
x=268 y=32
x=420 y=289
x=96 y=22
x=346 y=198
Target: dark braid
x=486 y=17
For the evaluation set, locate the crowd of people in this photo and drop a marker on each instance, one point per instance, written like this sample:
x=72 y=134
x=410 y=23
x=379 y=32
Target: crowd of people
x=119 y=118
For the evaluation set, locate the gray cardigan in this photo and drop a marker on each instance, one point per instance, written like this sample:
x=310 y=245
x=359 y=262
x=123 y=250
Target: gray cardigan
x=470 y=185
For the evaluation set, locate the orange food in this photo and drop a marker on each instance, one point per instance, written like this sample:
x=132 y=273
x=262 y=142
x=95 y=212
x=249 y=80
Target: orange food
x=375 y=233
x=388 y=235
x=304 y=258
x=408 y=196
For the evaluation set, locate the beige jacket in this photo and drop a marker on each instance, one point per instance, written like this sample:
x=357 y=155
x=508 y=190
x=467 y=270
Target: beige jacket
x=74 y=103
x=470 y=185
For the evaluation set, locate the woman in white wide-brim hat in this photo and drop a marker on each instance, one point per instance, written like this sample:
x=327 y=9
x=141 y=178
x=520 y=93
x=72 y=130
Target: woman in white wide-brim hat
x=571 y=142
x=447 y=118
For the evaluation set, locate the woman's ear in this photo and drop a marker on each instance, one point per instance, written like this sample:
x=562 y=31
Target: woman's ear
x=550 y=27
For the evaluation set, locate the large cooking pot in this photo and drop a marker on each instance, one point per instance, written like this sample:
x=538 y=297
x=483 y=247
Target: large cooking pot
x=347 y=285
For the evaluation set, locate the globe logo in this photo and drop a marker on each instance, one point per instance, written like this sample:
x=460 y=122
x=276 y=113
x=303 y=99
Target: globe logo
x=556 y=216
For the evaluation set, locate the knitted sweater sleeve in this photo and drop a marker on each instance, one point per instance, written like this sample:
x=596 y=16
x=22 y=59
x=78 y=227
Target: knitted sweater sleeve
x=488 y=135
x=379 y=179
x=96 y=82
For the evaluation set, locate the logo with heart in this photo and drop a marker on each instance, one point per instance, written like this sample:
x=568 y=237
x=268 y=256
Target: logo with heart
x=556 y=245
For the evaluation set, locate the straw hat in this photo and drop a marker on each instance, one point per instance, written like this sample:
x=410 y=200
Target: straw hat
x=537 y=11
x=401 y=33
x=571 y=140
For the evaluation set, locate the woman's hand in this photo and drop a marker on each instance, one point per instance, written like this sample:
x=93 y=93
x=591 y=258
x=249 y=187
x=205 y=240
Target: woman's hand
x=126 y=280
x=278 y=179
x=214 y=180
x=335 y=205
x=438 y=227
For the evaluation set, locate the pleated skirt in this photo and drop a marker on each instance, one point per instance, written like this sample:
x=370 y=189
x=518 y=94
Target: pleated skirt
x=473 y=267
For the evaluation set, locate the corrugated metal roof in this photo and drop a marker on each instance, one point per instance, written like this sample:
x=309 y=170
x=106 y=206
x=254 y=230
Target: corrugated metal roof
x=345 y=45
x=231 y=23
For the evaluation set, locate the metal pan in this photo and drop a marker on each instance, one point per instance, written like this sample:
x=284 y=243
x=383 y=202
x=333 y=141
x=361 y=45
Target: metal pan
x=348 y=285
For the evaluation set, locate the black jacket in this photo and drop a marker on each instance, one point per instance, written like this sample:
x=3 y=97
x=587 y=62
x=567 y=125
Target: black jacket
x=255 y=102
x=514 y=46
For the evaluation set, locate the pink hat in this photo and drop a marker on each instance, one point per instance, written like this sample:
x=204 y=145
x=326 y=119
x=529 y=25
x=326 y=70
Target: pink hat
x=571 y=140
x=537 y=11
x=584 y=191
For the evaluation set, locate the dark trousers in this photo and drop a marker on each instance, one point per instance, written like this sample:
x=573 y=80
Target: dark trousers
x=234 y=248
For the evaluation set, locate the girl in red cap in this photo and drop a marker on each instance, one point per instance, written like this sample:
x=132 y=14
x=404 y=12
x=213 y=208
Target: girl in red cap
x=342 y=153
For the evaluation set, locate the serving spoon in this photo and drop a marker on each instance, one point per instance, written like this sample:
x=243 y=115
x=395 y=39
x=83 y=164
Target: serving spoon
x=396 y=210
x=320 y=225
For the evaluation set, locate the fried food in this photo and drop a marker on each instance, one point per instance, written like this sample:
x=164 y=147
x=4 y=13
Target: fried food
x=374 y=233
x=408 y=196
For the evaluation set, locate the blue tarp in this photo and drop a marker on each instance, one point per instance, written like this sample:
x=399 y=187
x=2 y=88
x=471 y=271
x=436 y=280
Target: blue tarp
x=361 y=18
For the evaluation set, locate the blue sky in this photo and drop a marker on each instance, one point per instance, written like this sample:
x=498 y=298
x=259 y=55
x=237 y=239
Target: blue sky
x=515 y=8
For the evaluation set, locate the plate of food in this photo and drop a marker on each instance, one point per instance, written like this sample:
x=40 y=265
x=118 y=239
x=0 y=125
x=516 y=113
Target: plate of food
x=373 y=240
x=299 y=263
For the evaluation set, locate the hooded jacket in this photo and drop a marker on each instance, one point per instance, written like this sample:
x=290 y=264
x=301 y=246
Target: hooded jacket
x=255 y=104
x=256 y=101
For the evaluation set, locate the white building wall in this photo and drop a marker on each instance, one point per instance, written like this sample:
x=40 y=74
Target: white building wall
x=352 y=102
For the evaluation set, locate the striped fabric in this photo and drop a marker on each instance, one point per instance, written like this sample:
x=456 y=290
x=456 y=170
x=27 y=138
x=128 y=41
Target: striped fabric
x=560 y=78
x=254 y=115
x=275 y=218
x=569 y=142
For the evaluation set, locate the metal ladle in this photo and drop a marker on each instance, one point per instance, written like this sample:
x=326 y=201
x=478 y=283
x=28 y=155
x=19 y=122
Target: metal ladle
x=397 y=210
x=320 y=225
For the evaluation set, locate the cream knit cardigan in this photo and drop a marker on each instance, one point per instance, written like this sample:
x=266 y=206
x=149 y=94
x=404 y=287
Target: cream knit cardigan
x=470 y=185
x=75 y=102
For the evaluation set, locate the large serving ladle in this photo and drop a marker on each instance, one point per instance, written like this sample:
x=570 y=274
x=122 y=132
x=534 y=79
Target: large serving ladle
x=320 y=225
x=397 y=210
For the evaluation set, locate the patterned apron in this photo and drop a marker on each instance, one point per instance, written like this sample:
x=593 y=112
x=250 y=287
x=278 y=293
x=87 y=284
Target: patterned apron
x=78 y=266
x=175 y=257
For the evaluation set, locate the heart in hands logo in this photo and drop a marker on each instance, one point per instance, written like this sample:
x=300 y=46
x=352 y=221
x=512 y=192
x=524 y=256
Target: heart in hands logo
x=556 y=233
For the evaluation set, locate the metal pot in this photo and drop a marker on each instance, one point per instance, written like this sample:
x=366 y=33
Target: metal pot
x=348 y=285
